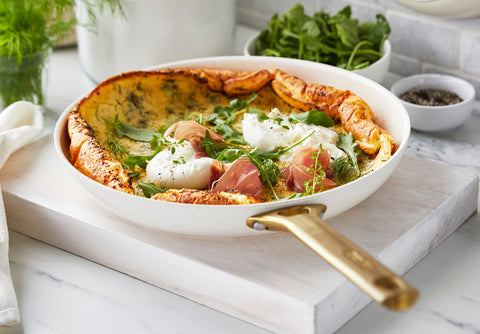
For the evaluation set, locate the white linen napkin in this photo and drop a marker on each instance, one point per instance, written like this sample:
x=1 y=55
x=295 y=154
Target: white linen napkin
x=20 y=123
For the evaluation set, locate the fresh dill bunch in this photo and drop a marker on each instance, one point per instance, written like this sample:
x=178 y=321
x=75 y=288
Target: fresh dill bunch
x=29 y=29
x=31 y=26
x=111 y=142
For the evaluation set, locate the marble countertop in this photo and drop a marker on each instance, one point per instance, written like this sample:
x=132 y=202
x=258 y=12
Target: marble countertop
x=59 y=292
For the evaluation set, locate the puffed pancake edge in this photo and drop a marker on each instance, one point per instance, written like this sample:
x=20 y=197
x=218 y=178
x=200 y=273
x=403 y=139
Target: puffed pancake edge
x=193 y=196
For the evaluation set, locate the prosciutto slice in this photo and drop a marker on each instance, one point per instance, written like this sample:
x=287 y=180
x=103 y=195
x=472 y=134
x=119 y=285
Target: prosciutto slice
x=242 y=176
x=190 y=129
x=299 y=171
x=194 y=133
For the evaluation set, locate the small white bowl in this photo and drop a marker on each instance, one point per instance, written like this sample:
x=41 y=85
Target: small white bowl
x=376 y=71
x=437 y=118
x=379 y=69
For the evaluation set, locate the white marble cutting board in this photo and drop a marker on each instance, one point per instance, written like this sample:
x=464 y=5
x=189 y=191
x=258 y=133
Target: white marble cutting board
x=272 y=281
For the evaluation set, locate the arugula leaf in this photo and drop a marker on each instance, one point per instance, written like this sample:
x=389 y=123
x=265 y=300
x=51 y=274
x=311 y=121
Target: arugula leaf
x=238 y=104
x=155 y=143
x=212 y=148
x=133 y=160
x=135 y=133
x=314 y=117
x=344 y=170
x=230 y=133
x=130 y=131
x=150 y=189
x=260 y=114
x=347 y=143
x=223 y=117
x=269 y=171
x=338 y=40
x=375 y=32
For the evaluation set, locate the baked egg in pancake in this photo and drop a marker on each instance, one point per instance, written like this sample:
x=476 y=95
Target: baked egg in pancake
x=223 y=137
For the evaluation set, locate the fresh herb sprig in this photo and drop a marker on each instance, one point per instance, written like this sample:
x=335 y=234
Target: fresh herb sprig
x=132 y=132
x=224 y=117
x=346 y=169
x=28 y=30
x=111 y=142
x=349 y=146
x=156 y=144
x=314 y=117
x=338 y=40
x=315 y=185
x=150 y=189
x=117 y=129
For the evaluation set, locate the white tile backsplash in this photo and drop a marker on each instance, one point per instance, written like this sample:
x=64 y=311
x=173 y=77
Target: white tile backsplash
x=427 y=40
x=362 y=12
x=470 y=55
x=269 y=7
x=405 y=64
x=421 y=43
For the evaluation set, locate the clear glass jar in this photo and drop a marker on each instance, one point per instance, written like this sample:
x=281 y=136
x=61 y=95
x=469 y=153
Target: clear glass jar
x=23 y=79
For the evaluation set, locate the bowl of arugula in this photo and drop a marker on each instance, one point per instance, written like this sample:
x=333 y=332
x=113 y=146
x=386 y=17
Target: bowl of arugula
x=338 y=40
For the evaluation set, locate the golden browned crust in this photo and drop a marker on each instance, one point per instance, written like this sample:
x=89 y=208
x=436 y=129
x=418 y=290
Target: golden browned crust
x=93 y=160
x=357 y=117
x=79 y=132
x=230 y=82
x=193 y=196
x=354 y=113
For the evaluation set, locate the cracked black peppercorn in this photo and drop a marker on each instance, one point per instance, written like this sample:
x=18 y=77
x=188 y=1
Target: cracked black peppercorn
x=430 y=97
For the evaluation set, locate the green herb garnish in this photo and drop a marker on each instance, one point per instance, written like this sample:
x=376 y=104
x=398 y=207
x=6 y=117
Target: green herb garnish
x=132 y=132
x=344 y=170
x=314 y=117
x=269 y=171
x=111 y=142
x=338 y=40
x=315 y=185
x=133 y=160
x=150 y=189
x=224 y=117
x=349 y=146
x=124 y=130
x=260 y=114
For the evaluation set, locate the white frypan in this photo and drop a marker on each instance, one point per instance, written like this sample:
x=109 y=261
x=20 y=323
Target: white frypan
x=299 y=216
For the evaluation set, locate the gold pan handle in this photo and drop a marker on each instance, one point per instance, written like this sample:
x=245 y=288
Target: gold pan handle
x=341 y=253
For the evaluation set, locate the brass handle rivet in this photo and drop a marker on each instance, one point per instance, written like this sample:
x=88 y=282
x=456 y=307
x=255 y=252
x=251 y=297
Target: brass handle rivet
x=258 y=226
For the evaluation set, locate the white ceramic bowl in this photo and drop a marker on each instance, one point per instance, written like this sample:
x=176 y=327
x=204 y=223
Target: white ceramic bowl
x=437 y=118
x=376 y=71
x=379 y=69
x=230 y=220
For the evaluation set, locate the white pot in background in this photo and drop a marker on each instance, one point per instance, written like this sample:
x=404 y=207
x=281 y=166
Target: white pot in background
x=154 y=32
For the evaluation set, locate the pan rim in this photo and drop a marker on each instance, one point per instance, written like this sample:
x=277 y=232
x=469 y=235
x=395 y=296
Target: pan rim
x=60 y=129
